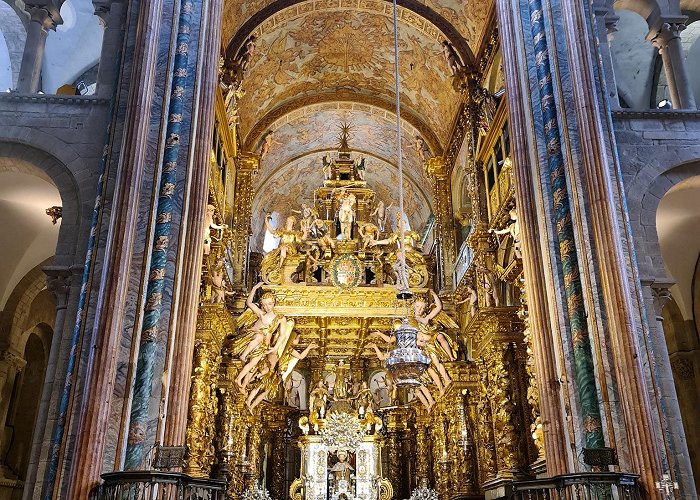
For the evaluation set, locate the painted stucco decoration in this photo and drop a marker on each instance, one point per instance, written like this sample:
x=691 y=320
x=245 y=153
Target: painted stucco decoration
x=328 y=50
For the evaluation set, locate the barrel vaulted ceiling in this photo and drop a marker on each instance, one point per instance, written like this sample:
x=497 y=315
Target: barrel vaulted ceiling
x=319 y=63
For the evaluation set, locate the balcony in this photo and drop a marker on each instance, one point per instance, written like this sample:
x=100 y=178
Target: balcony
x=147 y=485
x=587 y=485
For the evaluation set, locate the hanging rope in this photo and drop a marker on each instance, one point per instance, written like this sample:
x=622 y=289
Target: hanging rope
x=400 y=220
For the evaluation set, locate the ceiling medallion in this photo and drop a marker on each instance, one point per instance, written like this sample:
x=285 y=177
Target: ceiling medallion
x=346 y=271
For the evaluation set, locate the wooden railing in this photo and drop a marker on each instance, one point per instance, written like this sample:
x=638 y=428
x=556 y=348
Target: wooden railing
x=149 y=485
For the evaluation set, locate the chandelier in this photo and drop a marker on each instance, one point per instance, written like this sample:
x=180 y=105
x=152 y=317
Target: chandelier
x=342 y=431
x=406 y=362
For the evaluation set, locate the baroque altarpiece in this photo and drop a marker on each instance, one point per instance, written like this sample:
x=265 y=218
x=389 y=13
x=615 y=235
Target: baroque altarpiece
x=289 y=390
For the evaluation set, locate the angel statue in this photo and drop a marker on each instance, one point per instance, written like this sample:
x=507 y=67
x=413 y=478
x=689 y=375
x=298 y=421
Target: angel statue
x=435 y=344
x=368 y=232
x=290 y=239
x=258 y=326
x=281 y=362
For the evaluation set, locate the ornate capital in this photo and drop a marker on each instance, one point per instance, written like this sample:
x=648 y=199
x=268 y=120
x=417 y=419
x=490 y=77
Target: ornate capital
x=14 y=360
x=102 y=8
x=47 y=15
x=668 y=31
x=58 y=281
x=661 y=293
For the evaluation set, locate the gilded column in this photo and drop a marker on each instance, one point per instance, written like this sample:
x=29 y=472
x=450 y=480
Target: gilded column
x=252 y=476
x=440 y=454
x=502 y=410
x=232 y=435
x=481 y=416
x=422 y=431
x=393 y=444
x=278 y=462
x=202 y=410
x=460 y=462
x=246 y=168
x=436 y=169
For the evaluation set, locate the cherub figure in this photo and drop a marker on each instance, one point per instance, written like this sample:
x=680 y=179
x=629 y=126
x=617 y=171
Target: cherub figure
x=369 y=233
x=244 y=54
x=472 y=298
x=454 y=63
x=267 y=143
x=514 y=230
x=218 y=282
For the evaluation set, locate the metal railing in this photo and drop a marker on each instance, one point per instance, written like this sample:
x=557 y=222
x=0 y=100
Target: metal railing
x=583 y=486
x=154 y=485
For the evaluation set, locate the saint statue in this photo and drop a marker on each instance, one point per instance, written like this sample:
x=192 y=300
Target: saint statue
x=380 y=211
x=340 y=387
x=209 y=224
x=327 y=162
x=514 y=230
x=317 y=404
x=360 y=168
x=342 y=471
x=346 y=213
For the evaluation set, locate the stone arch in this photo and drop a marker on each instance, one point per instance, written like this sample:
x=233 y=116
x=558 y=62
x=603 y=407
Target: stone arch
x=18 y=309
x=18 y=150
x=644 y=194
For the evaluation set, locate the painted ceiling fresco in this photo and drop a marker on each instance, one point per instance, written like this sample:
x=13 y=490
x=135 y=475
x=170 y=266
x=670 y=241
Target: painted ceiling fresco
x=467 y=16
x=287 y=188
x=328 y=50
x=315 y=128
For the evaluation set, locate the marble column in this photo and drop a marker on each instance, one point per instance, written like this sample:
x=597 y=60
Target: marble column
x=656 y=295
x=192 y=250
x=42 y=19
x=543 y=341
x=606 y=25
x=94 y=424
x=667 y=39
